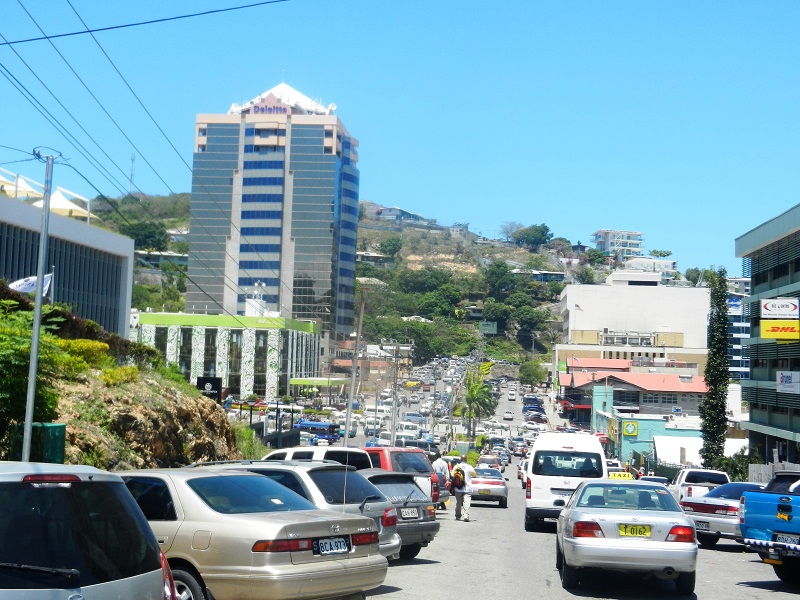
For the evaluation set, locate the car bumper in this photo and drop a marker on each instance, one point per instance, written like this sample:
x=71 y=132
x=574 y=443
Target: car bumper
x=727 y=528
x=541 y=513
x=418 y=533
x=306 y=581
x=391 y=547
x=623 y=555
x=484 y=494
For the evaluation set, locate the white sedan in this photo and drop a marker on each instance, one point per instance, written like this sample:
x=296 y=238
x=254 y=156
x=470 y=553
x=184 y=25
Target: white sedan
x=508 y=415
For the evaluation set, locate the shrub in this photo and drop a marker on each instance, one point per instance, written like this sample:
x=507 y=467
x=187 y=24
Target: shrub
x=118 y=375
x=93 y=353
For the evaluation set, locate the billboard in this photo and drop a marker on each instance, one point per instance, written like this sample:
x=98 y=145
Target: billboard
x=780 y=308
x=780 y=330
x=788 y=382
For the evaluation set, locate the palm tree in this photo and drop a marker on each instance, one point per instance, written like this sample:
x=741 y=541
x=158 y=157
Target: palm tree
x=478 y=398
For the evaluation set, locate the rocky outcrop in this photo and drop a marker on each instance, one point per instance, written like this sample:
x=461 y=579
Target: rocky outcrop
x=147 y=423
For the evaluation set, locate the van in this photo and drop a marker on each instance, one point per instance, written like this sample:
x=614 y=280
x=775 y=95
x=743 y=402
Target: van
x=381 y=412
x=558 y=463
x=346 y=456
x=372 y=426
x=408 y=427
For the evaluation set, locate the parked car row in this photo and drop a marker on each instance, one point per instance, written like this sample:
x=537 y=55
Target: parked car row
x=296 y=526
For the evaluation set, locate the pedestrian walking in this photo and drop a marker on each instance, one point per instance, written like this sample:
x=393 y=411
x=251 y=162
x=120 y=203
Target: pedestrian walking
x=462 y=486
x=442 y=469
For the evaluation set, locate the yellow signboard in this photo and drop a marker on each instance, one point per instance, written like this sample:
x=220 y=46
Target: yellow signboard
x=780 y=330
x=620 y=475
x=630 y=428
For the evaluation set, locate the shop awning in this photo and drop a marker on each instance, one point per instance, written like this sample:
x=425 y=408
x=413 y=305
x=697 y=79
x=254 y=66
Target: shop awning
x=319 y=381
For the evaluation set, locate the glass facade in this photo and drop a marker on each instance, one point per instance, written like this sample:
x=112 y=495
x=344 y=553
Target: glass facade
x=297 y=175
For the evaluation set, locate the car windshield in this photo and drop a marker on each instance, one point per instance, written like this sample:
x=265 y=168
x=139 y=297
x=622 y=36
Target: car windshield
x=626 y=497
x=398 y=488
x=344 y=487
x=732 y=491
x=245 y=494
x=490 y=473
x=706 y=477
x=411 y=462
x=568 y=464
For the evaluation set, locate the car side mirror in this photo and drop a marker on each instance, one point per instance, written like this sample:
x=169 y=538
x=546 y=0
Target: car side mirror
x=559 y=502
x=506 y=478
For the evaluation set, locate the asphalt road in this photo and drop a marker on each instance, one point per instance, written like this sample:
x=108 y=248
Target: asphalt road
x=493 y=557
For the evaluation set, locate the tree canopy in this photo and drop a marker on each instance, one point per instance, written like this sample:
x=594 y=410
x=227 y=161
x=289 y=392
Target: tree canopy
x=714 y=419
x=533 y=236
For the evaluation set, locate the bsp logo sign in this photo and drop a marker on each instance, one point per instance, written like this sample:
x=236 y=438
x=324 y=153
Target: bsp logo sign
x=630 y=428
x=780 y=308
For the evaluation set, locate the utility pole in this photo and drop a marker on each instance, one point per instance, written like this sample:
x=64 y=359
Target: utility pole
x=354 y=368
x=37 y=311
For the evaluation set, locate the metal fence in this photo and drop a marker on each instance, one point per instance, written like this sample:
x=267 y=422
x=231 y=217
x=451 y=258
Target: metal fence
x=763 y=473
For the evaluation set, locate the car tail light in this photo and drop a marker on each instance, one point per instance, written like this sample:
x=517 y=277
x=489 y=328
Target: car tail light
x=689 y=491
x=167 y=581
x=730 y=511
x=431 y=510
x=389 y=518
x=741 y=510
x=435 y=492
x=282 y=545
x=365 y=539
x=587 y=529
x=681 y=533
x=51 y=478
x=528 y=489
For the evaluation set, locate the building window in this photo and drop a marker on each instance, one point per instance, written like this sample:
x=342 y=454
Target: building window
x=202 y=132
x=201 y=148
x=669 y=398
x=649 y=398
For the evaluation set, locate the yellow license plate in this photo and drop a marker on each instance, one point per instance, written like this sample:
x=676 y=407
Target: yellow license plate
x=486 y=492
x=630 y=530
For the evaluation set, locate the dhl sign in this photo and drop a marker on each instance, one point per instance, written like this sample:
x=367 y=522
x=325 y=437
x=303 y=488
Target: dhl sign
x=780 y=330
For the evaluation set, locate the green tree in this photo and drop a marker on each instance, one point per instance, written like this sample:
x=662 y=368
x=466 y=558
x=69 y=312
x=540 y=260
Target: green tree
x=498 y=312
x=509 y=228
x=714 y=420
x=425 y=280
x=391 y=246
x=146 y=235
x=532 y=237
x=585 y=275
x=695 y=275
x=554 y=289
x=519 y=299
x=532 y=372
x=499 y=280
x=595 y=257
x=531 y=319
x=15 y=354
x=660 y=253
x=478 y=398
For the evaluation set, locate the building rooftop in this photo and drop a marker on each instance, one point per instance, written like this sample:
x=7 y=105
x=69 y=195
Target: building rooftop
x=289 y=96
x=650 y=382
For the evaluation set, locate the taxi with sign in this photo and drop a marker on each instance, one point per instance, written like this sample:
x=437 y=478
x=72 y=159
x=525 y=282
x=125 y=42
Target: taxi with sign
x=620 y=474
x=629 y=526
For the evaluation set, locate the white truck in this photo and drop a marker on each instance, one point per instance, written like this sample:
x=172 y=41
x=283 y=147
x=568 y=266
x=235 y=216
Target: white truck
x=693 y=483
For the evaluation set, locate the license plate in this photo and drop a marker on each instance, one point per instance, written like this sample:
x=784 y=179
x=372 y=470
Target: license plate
x=484 y=492
x=787 y=539
x=701 y=525
x=409 y=513
x=331 y=546
x=562 y=493
x=630 y=530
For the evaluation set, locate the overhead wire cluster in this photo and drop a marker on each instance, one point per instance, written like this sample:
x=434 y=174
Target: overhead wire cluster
x=99 y=164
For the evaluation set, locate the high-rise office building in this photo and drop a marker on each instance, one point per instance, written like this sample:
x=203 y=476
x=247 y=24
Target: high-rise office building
x=274 y=212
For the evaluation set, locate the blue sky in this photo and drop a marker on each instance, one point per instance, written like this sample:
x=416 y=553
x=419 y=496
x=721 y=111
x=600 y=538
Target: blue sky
x=676 y=119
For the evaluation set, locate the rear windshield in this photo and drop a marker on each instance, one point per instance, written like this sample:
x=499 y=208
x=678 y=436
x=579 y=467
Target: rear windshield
x=732 y=491
x=399 y=489
x=244 y=494
x=784 y=483
x=568 y=464
x=705 y=477
x=359 y=460
x=345 y=487
x=628 y=497
x=92 y=527
x=411 y=462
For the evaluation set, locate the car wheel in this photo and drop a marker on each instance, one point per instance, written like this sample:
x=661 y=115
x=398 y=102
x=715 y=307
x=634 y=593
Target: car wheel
x=410 y=551
x=789 y=571
x=503 y=502
x=569 y=575
x=684 y=584
x=707 y=540
x=187 y=586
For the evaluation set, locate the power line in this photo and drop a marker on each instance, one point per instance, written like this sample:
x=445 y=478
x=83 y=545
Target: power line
x=141 y=23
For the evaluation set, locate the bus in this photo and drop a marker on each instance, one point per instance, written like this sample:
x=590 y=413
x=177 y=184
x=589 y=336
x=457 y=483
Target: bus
x=320 y=430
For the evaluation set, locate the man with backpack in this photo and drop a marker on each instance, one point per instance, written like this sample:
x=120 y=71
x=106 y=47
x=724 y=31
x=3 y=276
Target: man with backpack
x=461 y=486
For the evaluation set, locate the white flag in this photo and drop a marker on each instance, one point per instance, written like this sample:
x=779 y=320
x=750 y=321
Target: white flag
x=28 y=285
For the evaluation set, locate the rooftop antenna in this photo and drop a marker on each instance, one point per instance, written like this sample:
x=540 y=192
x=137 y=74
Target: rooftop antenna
x=133 y=171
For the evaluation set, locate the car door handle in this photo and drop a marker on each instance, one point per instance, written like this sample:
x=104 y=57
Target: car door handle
x=161 y=539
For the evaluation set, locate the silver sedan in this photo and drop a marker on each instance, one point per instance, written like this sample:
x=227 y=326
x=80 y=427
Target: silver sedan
x=716 y=515
x=628 y=526
x=490 y=485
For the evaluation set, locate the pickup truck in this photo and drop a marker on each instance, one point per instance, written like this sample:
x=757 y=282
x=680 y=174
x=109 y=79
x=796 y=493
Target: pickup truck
x=766 y=518
x=692 y=483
